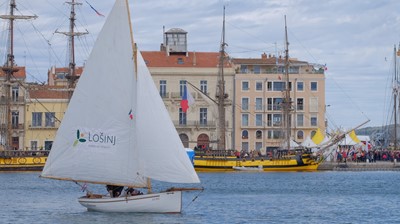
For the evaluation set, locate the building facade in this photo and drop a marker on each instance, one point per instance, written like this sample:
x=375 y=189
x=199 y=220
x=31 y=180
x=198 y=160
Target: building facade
x=259 y=93
x=12 y=109
x=173 y=68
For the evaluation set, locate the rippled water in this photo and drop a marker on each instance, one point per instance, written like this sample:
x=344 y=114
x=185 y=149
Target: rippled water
x=292 y=197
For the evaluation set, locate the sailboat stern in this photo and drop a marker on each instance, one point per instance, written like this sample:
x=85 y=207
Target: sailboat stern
x=164 y=202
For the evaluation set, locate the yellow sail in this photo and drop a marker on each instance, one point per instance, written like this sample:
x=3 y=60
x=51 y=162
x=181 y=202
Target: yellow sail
x=353 y=136
x=318 y=137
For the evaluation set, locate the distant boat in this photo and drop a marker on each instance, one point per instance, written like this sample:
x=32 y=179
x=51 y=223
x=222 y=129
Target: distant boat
x=117 y=131
x=243 y=168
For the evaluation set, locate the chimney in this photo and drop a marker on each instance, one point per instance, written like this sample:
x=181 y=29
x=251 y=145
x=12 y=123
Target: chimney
x=264 y=56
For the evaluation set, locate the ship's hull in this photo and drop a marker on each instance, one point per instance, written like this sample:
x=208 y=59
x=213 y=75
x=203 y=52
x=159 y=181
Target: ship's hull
x=22 y=163
x=214 y=163
x=164 y=202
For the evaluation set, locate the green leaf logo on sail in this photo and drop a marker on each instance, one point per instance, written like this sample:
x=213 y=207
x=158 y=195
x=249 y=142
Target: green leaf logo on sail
x=79 y=137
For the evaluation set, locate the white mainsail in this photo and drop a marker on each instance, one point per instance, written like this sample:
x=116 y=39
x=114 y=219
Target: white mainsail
x=116 y=129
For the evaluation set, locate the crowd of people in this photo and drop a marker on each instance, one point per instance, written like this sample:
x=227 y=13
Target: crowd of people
x=353 y=154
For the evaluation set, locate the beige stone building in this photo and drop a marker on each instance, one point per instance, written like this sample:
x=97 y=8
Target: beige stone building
x=45 y=108
x=259 y=89
x=171 y=68
x=12 y=126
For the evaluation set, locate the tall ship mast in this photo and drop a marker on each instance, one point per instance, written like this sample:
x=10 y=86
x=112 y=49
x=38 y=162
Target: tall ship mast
x=9 y=68
x=220 y=94
x=287 y=104
x=72 y=77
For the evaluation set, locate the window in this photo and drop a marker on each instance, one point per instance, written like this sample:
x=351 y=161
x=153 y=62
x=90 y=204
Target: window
x=245 y=86
x=276 y=134
x=269 y=86
x=36 y=119
x=300 y=120
x=49 y=119
x=277 y=104
x=243 y=69
x=48 y=145
x=269 y=104
x=258 y=146
x=182 y=117
x=34 y=145
x=245 y=134
x=15 y=93
x=14 y=119
x=245 y=104
x=203 y=116
x=259 y=86
x=203 y=86
x=163 y=88
x=300 y=104
x=269 y=120
x=245 y=146
x=259 y=104
x=180 y=61
x=259 y=120
x=182 y=84
x=258 y=134
x=300 y=86
x=245 y=120
x=300 y=135
x=256 y=69
x=313 y=133
x=313 y=121
x=279 y=86
x=313 y=104
x=314 y=86
x=277 y=120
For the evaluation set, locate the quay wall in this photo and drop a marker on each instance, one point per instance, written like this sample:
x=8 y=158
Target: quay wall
x=360 y=166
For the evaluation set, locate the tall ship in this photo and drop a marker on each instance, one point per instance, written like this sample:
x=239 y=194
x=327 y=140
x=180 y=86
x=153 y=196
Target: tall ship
x=286 y=157
x=20 y=149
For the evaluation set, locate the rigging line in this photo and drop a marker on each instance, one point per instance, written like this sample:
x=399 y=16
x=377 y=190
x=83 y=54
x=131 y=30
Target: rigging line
x=292 y=34
x=191 y=202
x=254 y=36
x=29 y=52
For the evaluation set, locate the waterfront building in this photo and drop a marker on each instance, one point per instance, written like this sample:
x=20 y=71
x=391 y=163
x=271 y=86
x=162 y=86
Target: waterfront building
x=45 y=108
x=12 y=102
x=259 y=89
x=173 y=67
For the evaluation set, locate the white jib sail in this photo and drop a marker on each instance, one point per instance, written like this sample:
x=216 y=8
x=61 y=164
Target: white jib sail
x=102 y=138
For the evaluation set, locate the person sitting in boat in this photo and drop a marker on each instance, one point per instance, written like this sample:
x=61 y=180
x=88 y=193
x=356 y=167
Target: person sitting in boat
x=133 y=192
x=115 y=191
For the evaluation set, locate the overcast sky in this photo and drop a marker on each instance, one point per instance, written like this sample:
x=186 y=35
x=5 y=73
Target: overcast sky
x=355 y=39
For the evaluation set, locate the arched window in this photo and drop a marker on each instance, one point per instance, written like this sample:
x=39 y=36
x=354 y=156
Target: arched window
x=258 y=134
x=245 y=134
x=313 y=133
x=300 y=135
x=185 y=140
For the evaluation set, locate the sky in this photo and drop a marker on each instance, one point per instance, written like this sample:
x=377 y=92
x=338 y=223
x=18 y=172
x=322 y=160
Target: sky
x=355 y=39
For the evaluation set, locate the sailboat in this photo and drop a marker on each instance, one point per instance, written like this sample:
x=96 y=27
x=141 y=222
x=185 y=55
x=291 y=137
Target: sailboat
x=117 y=131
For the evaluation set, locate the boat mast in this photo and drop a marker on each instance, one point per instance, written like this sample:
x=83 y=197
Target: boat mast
x=287 y=104
x=9 y=69
x=221 y=96
x=395 y=93
x=71 y=77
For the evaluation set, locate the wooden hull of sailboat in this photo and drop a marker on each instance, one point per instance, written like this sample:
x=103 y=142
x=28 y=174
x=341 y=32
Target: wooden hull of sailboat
x=209 y=163
x=164 y=202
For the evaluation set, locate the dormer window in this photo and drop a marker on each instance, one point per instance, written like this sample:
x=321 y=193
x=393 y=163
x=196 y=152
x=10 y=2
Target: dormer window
x=180 y=61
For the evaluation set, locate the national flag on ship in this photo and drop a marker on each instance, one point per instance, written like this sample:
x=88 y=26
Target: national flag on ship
x=97 y=12
x=187 y=99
